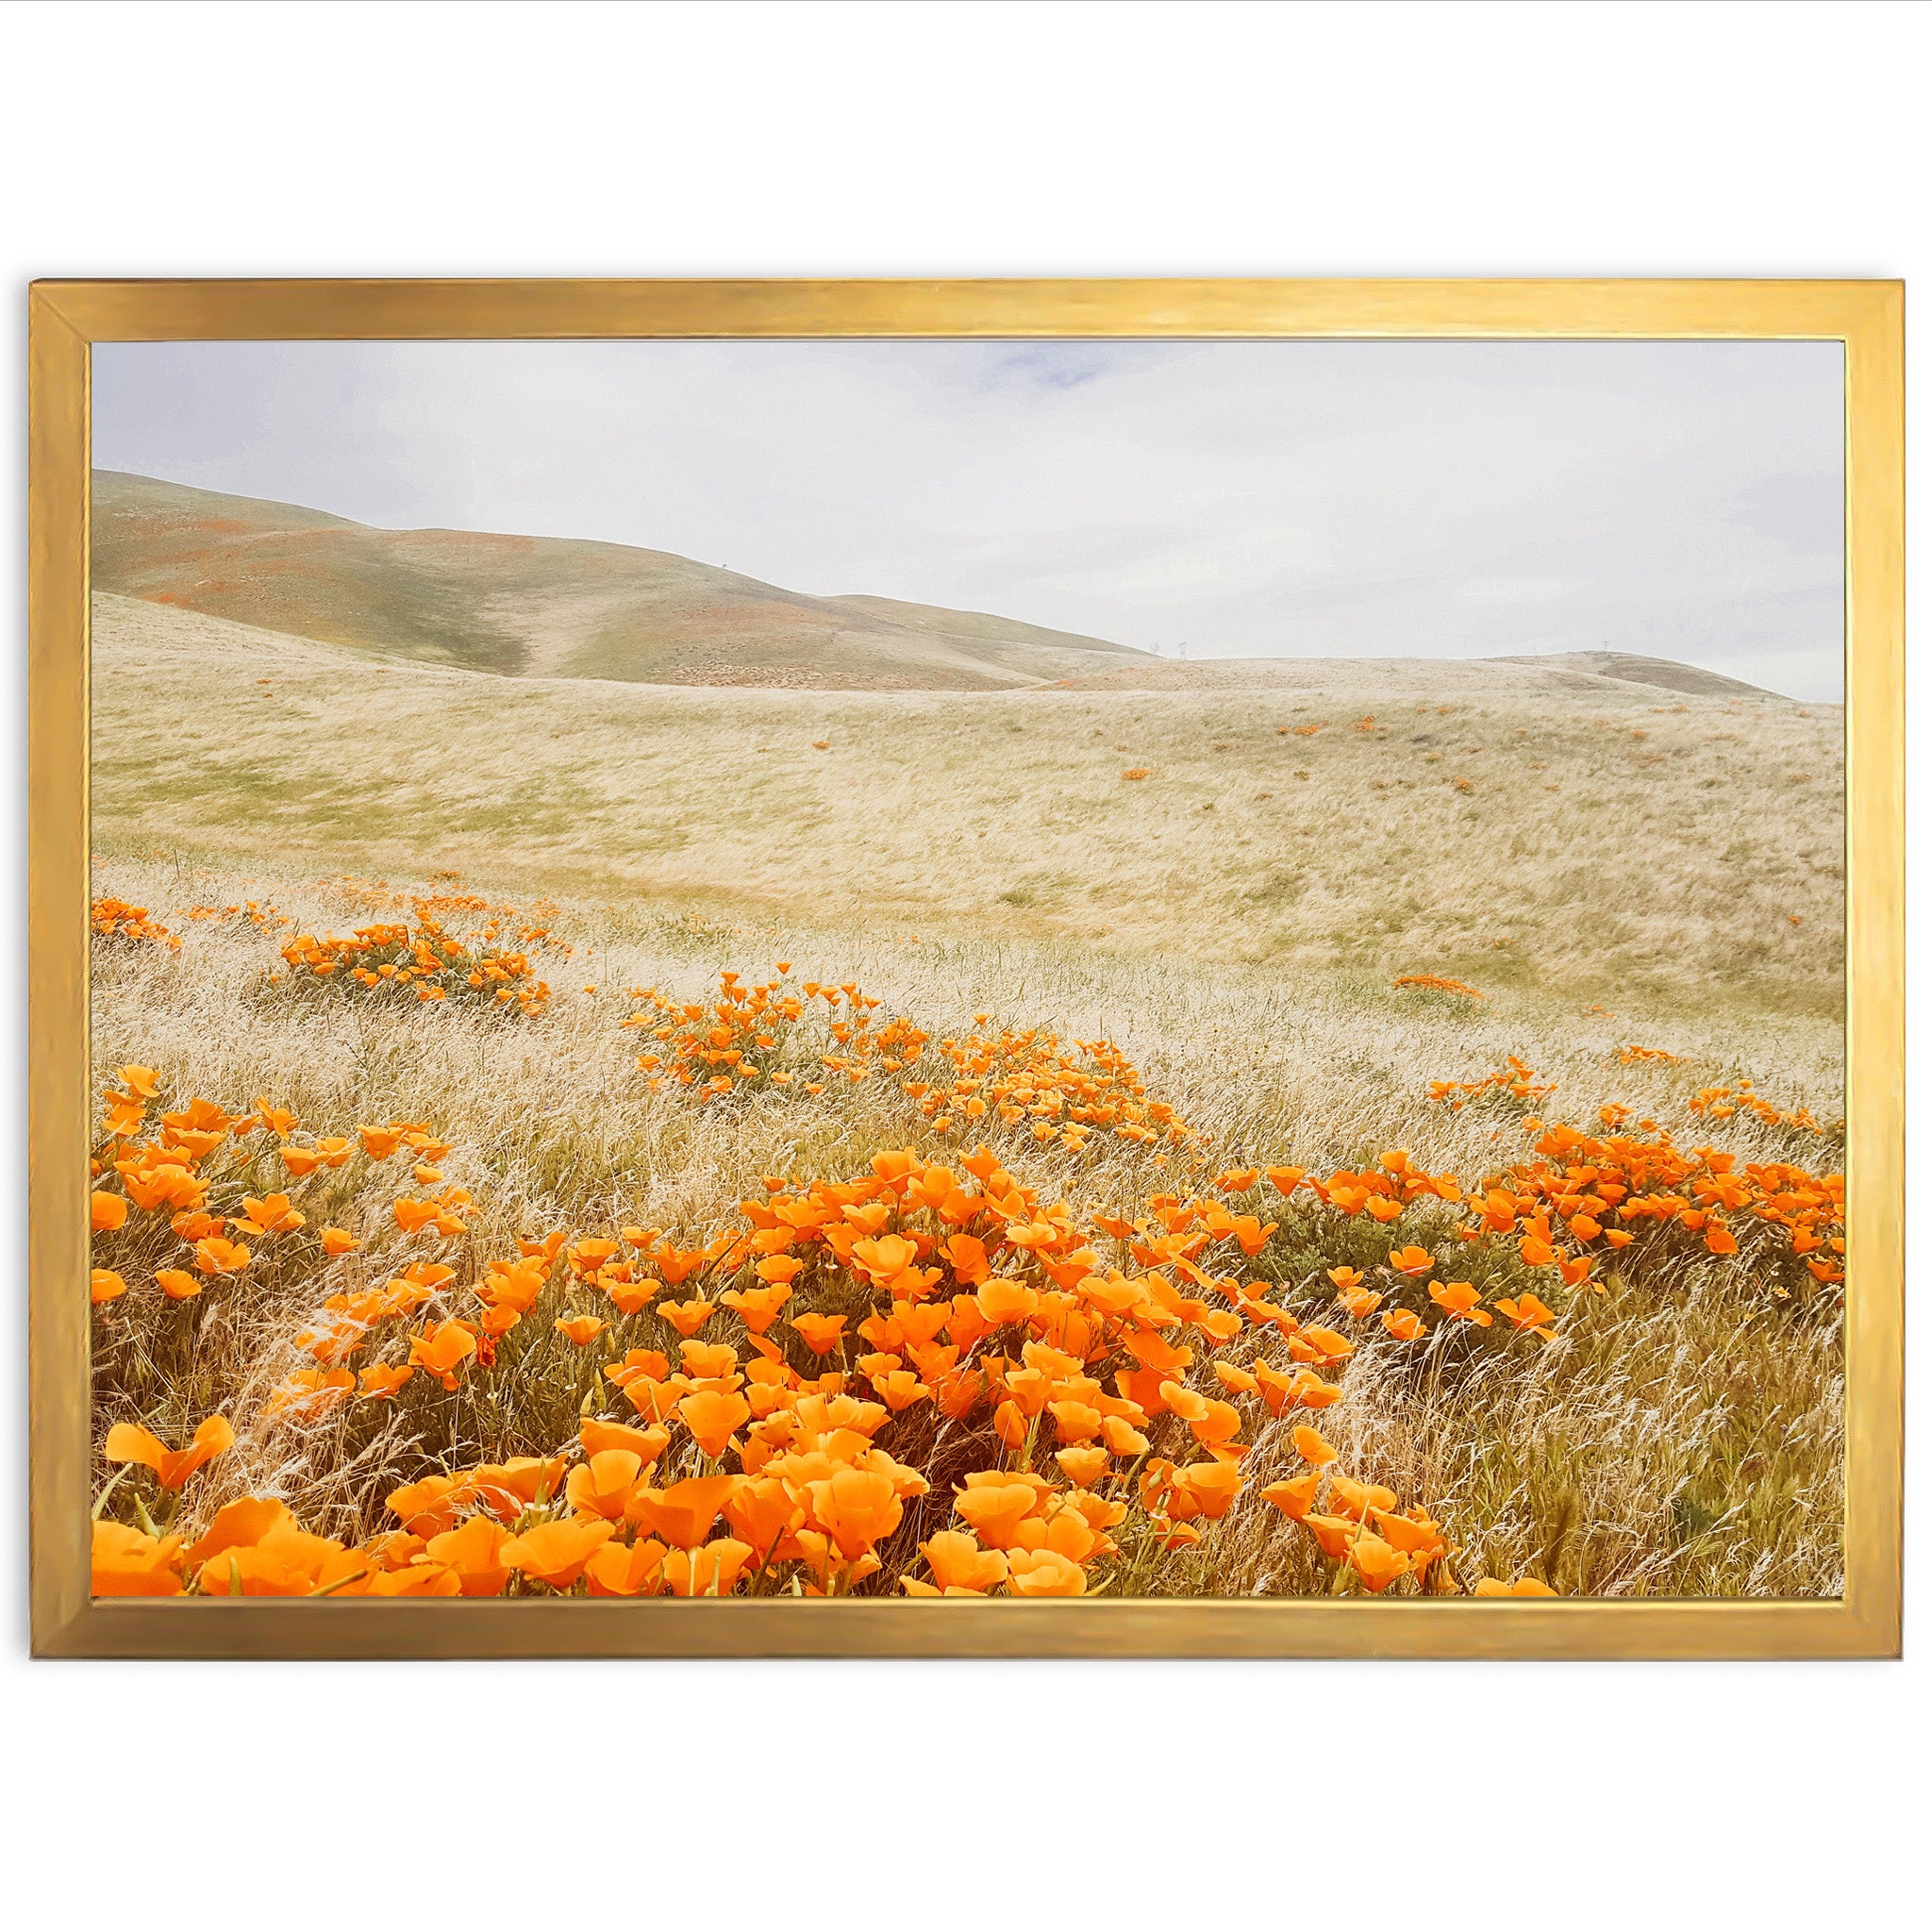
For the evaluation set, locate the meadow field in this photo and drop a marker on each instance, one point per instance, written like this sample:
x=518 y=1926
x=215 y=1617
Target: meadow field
x=1279 y=1130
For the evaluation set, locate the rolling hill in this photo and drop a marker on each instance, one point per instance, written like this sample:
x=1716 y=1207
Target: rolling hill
x=545 y=607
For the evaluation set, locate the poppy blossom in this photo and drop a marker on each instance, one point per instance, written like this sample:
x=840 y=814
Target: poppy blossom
x=580 y=1330
x=109 y=1212
x=1045 y=1573
x=1460 y=1302
x=1312 y=1447
x=442 y=1349
x=602 y=1487
x=127 y=1563
x=714 y=1570
x=474 y=1552
x=128 y=1443
x=1001 y=1302
x=820 y=1333
x=106 y=1285
x=1296 y=1497
x=615 y=1570
x=1523 y=1585
x=556 y=1553
x=712 y=1418
x=1526 y=1311
x=684 y=1514
x=1412 y=1261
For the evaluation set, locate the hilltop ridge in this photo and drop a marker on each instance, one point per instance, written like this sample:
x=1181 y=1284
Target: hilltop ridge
x=545 y=606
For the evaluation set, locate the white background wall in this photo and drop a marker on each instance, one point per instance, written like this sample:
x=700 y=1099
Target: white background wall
x=942 y=140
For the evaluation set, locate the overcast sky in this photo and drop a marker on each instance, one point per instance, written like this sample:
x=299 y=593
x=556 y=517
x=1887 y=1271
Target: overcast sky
x=1456 y=499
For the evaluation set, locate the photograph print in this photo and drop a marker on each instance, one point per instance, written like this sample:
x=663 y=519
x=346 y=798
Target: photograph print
x=923 y=969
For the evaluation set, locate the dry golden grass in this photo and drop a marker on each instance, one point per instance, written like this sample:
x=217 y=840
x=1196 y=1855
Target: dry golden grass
x=1521 y=828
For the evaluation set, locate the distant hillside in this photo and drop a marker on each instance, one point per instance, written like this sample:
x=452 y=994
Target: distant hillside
x=545 y=607
x=1573 y=674
x=1631 y=667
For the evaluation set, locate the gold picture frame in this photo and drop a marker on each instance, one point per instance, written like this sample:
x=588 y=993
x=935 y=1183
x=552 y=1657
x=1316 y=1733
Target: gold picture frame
x=66 y=318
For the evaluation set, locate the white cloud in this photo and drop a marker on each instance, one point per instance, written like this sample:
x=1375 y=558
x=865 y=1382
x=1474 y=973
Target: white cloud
x=1295 y=498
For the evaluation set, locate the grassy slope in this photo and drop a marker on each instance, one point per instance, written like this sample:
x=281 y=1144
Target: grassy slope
x=1606 y=840
x=543 y=605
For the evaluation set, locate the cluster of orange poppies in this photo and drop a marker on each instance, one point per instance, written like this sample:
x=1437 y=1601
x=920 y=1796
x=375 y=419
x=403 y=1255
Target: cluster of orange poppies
x=1722 y=1103
x=926 y=1377
x=423 y=961
x=1026 y=1079
x=1513 y=1080
x=744 y=1039
x=115 y=919
x=748 y=1037
x=255 y=912
x=994 y=1406
x=1435 y=982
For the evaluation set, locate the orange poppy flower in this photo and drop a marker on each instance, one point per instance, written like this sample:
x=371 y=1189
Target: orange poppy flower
x=284 y=1562
x=1209 y=1488
x=1526 y=1311
x=684 y=1514
x=712 y=1417
x=507 y=1489
x=109 y=1212
x=1460 y=1301
x=1084 y=1463
x=603 y=1486
x=960 y=1565
x=581 y=1329
x=442 y=1348
x=687 y=1317
x=1312 y=1447
x=758 y=1308
x=711 y=1571
x=275 y=1215
x=645 y=1445
x=128 y=1443
x=338 y=1241
x=1419 y=1538
x=1412 y=1261
x=1296 y=1497
x=125 y=1562
x=856 y=1507
x=474 y=1553
x=709 y=1361
x=616 y=1571
x=1375 y=1562
x=994 y=1511
x=556 y=1553
x=1403 y=1324
x=1523 y=1585
x=1045 y=1573
x=1336 y=1534
x=106 y=1285
x=1000 y=1301
x=214 y=1256
x=380 y=1380
x=629 y=1297
x=1349 y=1498
x=820 y=1333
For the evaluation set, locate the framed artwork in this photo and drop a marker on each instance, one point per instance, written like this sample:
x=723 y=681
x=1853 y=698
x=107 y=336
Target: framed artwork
x=1054 y=968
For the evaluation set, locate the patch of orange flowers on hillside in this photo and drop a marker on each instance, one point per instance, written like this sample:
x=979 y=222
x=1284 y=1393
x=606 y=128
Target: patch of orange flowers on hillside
x=423 y=961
